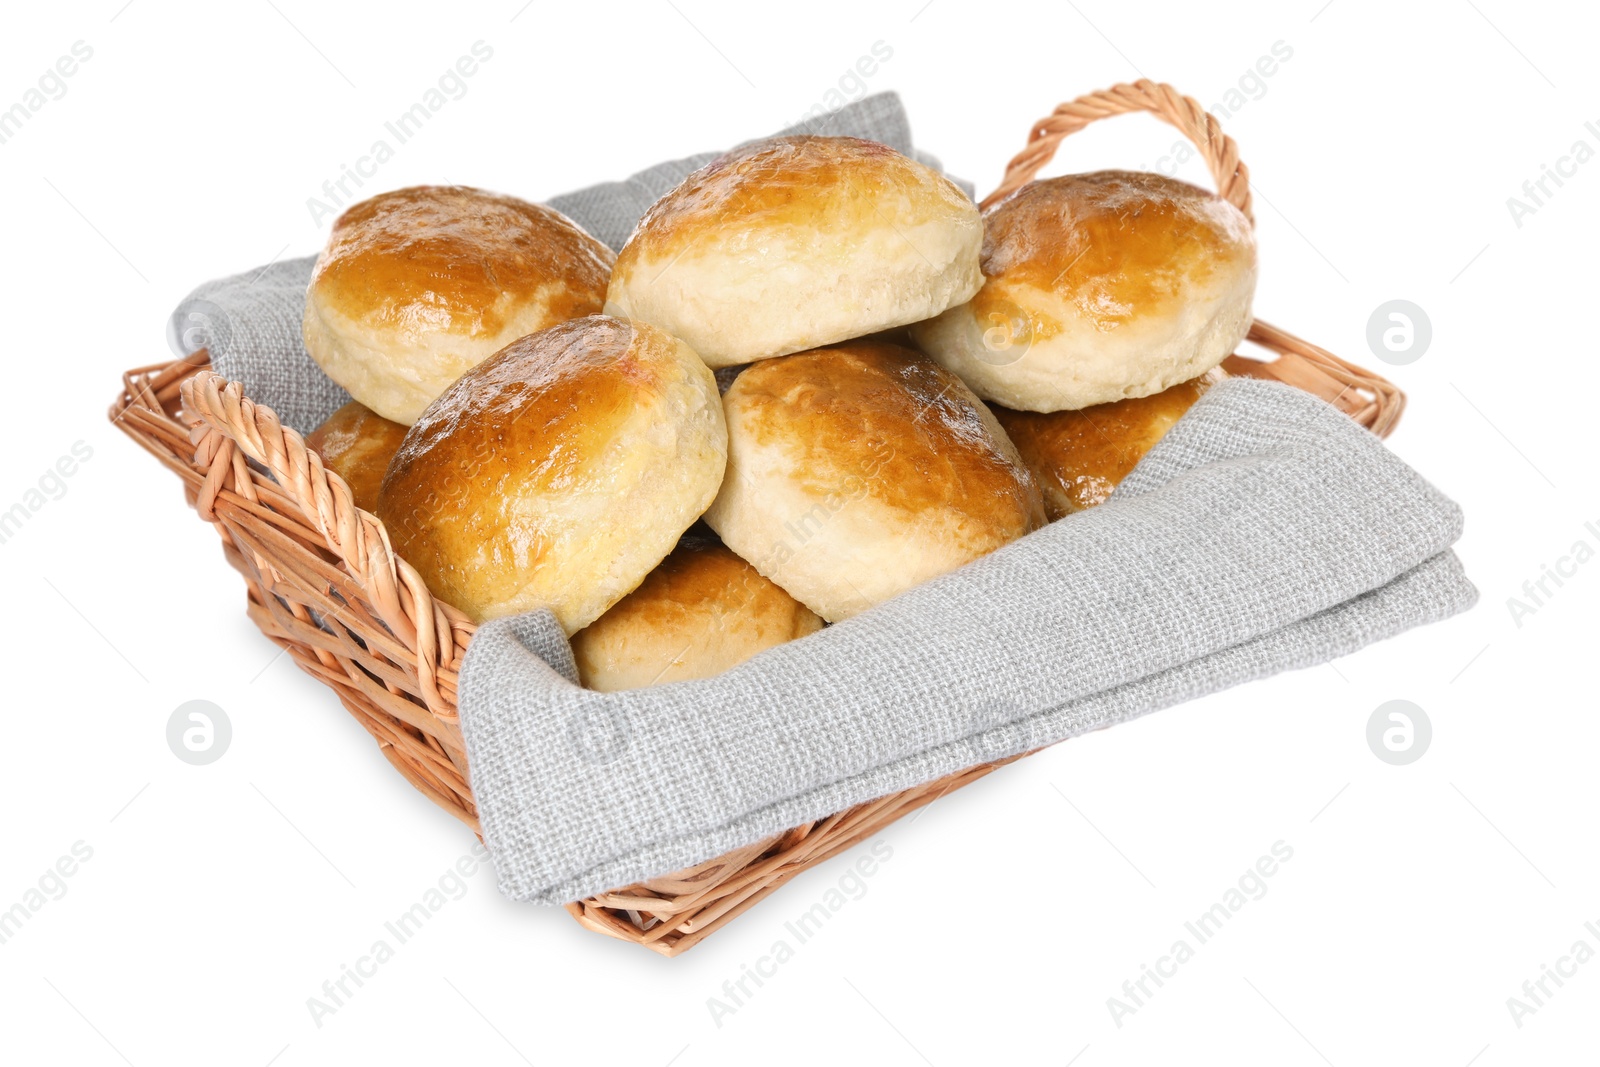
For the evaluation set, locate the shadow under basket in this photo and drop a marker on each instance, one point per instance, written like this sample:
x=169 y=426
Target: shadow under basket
x=325 y=585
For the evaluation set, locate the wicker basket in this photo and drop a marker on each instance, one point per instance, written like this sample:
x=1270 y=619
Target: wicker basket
x=324 y=583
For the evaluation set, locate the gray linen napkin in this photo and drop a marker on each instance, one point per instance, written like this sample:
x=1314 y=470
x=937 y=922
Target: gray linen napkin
x=1265 y=532
x=251 y=324
x=251 y=321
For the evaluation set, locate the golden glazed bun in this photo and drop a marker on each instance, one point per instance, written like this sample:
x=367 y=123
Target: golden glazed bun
x=796 y=242
x=558 y=473
x=418 y=285
x=356 y=444
x=858 y=471
x=1100 y=287
x=1078 y=457
x=700 y=612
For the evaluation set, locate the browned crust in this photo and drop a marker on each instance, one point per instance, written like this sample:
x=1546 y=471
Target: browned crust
x=827 y=184
x=910 y=431
x=356 y=443
x=448 y=258
x=700 y=612
x=1080 y=456
x=525 y=420
x=1114 y=244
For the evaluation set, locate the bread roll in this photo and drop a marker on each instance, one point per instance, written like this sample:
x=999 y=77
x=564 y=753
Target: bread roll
x=356 y=443
x=418 y=285
x=700 y=612
x=1100 y=287
x=858 y=471
x=1078 y=457
x=558 y=472
x=795 y=242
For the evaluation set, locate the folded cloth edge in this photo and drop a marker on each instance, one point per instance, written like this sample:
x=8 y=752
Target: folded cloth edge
x=1433 y=591
x=1269 y=409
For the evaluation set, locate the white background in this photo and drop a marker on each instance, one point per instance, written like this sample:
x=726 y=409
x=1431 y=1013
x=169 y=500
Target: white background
x=218 y=899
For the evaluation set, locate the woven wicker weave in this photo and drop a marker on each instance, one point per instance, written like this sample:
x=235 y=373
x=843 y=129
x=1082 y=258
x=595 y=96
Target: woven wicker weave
x=324 y=583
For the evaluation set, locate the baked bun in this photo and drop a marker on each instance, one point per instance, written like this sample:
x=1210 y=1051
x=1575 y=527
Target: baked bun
x=795 y=242
x=418 y=285
x=858 y=471
x=1100 y=287
x=700 y=612
x=557 y=473
x=1079 y=457
x=356 y=444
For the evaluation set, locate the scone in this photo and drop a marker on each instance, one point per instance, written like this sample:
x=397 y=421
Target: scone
x=796 y=242
x=1079 y=457
x=559 y=472
x=356 y=443
x=700 y=612
x=418 y=285
x=1099 y=287
x=858 y=471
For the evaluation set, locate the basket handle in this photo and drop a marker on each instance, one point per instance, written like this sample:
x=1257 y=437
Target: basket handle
x=1161 y=100
x=1367 y=397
